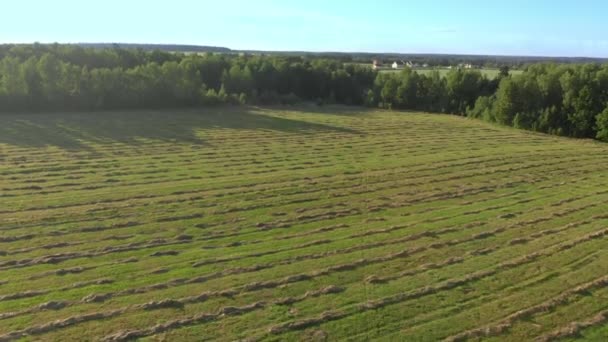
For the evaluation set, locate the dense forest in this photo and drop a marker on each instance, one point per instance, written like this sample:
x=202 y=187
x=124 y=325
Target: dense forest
x=159 y=47
x=562 y=99
x=53 y=77
x=569 y=100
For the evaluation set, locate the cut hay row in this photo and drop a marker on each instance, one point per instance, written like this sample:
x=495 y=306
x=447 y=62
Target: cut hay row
x=337 y=226
x=165 y=153
x=502 y=326
x=449 y=284
x=452 y=283
x=82 y=230
x=126 y=173
x=453 y=177
x=574 y=329
x=400 y=240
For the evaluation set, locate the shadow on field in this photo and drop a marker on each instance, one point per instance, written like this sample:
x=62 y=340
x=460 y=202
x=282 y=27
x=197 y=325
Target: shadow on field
x=76 y=130
x=341 y=110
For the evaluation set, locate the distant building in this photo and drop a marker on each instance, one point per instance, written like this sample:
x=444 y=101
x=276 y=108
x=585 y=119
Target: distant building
x=395 y=65
x=376 y=64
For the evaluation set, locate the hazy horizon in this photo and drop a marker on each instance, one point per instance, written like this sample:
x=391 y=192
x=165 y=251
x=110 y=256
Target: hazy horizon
x=518 y=28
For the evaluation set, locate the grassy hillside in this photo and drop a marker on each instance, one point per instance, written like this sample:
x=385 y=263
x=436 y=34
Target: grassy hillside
x=297 y=224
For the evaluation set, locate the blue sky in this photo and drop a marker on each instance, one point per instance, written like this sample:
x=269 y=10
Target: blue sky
x=515 y=27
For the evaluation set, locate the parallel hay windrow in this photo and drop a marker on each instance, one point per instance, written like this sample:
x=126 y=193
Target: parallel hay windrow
x=272 y=232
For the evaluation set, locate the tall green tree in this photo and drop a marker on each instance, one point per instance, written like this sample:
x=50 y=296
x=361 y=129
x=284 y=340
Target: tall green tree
x=602 y=125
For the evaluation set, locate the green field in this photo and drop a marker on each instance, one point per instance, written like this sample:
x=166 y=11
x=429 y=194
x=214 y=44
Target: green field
x=489 y=73
x=300 y=223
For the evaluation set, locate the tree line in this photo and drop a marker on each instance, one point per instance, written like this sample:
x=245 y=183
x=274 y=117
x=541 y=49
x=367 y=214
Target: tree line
x=42 y=77
x=569 y=100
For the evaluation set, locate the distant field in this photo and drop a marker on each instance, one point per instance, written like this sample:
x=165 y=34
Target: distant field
x=298 y=224
x=490 y=73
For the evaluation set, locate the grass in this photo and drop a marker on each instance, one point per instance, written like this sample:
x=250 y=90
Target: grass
x=297 y=223
x=490 y=73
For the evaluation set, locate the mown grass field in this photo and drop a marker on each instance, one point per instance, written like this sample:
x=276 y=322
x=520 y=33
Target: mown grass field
x=298 y=224
x=489 y=73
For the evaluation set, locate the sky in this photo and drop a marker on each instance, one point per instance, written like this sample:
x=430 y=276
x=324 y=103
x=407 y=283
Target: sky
x=512 y=27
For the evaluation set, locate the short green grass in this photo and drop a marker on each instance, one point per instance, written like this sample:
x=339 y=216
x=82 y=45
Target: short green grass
x=490 y=73
x=297 y=223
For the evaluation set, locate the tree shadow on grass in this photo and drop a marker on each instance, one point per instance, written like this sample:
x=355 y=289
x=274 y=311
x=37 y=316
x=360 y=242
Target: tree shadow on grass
x=333 y=109
x=77 y=130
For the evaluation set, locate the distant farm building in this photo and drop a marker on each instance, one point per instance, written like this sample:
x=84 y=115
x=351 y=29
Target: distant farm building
x=395 y=65
x=412 y=65
x=376 y=64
